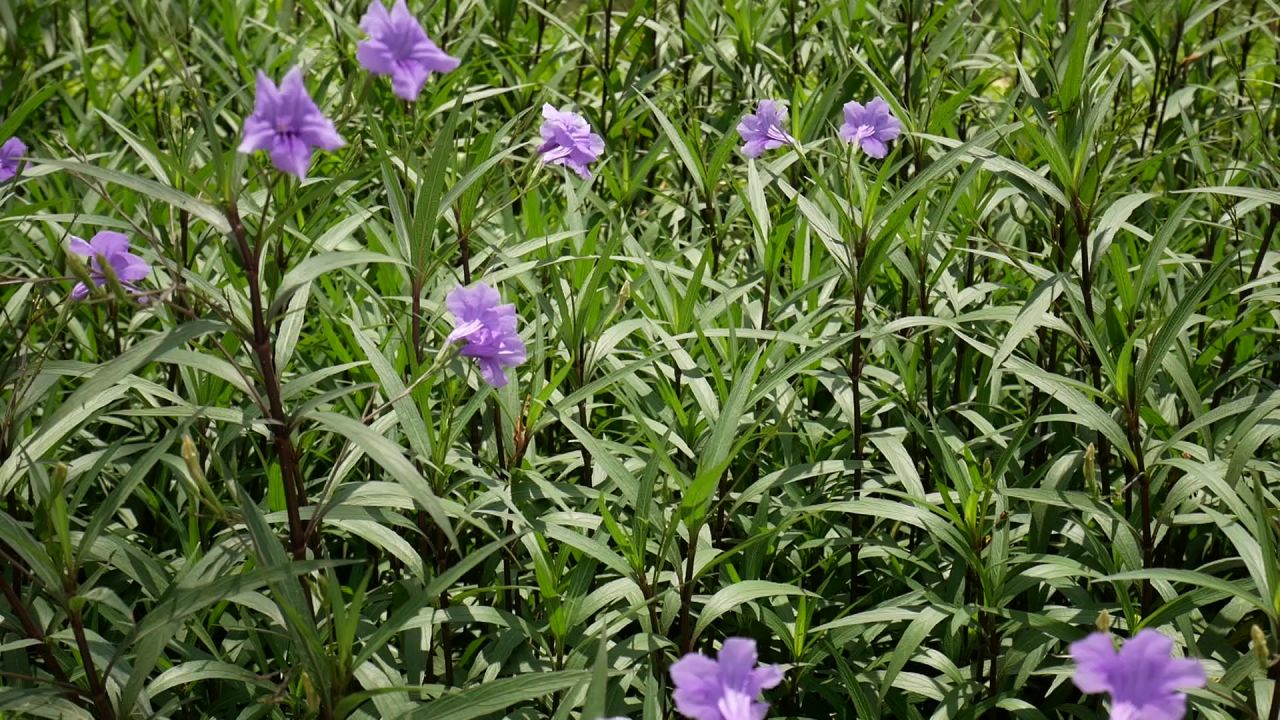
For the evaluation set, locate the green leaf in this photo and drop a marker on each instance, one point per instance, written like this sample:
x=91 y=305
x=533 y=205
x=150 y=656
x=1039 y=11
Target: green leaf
x=170 y=196
x=100 y=390
x=497 y=695
x=729 y=598
x=388 y=455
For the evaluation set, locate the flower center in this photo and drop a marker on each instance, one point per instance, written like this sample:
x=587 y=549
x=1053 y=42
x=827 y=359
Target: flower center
x=735 y=705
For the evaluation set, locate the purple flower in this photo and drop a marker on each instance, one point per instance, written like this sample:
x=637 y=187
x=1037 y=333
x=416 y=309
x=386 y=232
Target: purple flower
x=12 y=149
x=763 y=131
x=568 y=140
x=488 y=328
x=286 y=123
x=1143 y=678
x=113 y=248
x=873 y=127
x=399 y=47
x=727 y=688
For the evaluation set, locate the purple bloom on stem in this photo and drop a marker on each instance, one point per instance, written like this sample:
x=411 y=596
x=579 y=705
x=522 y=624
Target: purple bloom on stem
x=763 y=131
x=286 y=123
x=872 y=127
x=727 y=688
x=1143 y=677
x=567 y=140
x=12 y=149
x=399 y=47
x=112 y=247
x=488 y=328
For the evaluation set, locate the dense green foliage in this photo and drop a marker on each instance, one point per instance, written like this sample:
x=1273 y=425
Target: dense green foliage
x=912 y=424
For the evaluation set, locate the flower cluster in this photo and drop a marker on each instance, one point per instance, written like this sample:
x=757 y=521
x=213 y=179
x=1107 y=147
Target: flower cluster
x=289 y=126
x=1143 y=678
x=871 y=127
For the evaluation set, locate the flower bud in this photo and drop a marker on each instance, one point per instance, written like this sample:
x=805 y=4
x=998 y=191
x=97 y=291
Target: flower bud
x=1261 y=650
x=1090 y=470
x=1104 y=617
x=191 y=457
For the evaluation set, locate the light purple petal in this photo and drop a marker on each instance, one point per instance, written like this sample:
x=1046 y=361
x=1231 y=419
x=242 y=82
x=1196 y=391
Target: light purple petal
x=79 y=246
x=266 y=94
x=854 y=112
x=434 y=59
x=735 y=705
x=697 y=687
x=878 y=107
x=376 y=19
x=129 y=267
x=1154 y=650
x=1094 y=657
x=1184 y=674
x=890 y=128
x=318 y=131
x=492 y=372
x=874 y=147
x=407 y=79
x=400 y=13
x=109 y=242
x=737 y=659
x=766 y=676
x=259 y=134
x=13 y=148
x=580 y=168
x=464 y=331
x=291 y=155
x=80 y=291
x=292 y=87
x=10 y=152
x=374 y=56
x=470 y=304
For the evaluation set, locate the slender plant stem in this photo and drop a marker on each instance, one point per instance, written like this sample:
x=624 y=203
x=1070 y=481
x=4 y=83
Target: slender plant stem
x=1082 y=222
x=855 y=383
x=1229 y=354
x=281 y=430
x=30 y=627
x=686 y=592
x=606 y=69
x=101 y=702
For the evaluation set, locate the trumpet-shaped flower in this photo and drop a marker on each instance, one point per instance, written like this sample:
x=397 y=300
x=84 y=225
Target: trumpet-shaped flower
x=399 y=47
x=567 y=140
x=287 y=124
x=12 y=149
x=108 y=249
x=488 y=328
x=871 y=127
x=763 y=131
x=1143 y=678
x=727 y=688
